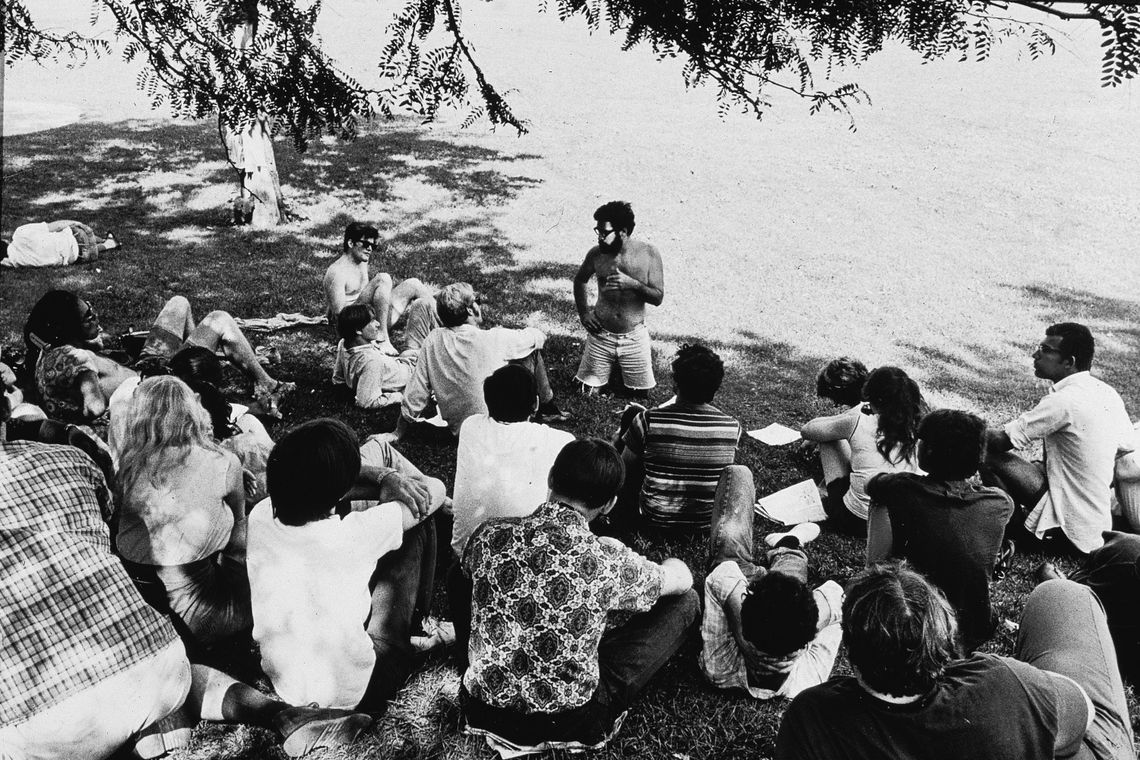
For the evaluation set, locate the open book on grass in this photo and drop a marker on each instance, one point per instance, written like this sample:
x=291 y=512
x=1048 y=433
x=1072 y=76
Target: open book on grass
x=793 y=505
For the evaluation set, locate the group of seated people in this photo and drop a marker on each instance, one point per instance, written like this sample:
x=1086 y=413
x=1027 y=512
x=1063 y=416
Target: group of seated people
x=127 y=562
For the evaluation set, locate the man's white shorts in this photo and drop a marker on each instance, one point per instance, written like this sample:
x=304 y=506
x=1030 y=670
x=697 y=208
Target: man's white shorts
x=630 y=350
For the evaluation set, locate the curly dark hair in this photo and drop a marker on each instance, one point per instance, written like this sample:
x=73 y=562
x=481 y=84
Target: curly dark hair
x=954 y=443
x=900 y=406
x=900 y=631
x=841 y=380
x=778 y=614
x=698 y=373
x=618 y=213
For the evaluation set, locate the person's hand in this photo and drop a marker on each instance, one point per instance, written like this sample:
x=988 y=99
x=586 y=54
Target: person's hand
x=254 y=492
x=7 y=376
x=591 y=322
x=760 y=664
x=408 y=491
x=619 y=280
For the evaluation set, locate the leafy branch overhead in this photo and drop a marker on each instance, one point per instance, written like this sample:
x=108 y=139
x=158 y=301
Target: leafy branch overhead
x=744 y=48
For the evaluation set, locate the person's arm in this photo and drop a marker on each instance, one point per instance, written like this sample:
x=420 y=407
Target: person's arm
x=370 y=390
x=385 y=484
x=997 y=440
x=235 y=500
x=837 y=427
x=676 y=578
x=60 y=224
x=581 y=297
x=652 y=291
x=1051 y=414
x=335 y=299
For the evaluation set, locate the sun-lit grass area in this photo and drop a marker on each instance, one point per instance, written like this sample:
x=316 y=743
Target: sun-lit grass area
x=973 y=206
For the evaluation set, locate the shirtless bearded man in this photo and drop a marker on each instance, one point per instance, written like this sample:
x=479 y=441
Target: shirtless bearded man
x=629 y=276
x=347 y=281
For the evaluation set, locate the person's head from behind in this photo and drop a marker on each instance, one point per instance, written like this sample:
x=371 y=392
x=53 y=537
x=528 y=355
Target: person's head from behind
x=697 y=373
x=778 y=614
x=511 y=394
x=201 y=369
x=61 y=318
x=1068 y=348
x=589 y=471
x=456 y=303
x=899 y=403
x=841 y=381
x=951 y=444
x=311 y=469
x=162 y=423
x=354 y=321
x=362 y=237
x=900 y=631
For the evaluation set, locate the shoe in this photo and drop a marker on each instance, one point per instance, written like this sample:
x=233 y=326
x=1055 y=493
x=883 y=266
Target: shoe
x=267 y=355
x=268 y=402
x=1047 y=571
x=307 y=728
x=437 y=634
x=549 y=414
x=1005 y=560
x=805 y=533
x=164 y=736
x=110 y=242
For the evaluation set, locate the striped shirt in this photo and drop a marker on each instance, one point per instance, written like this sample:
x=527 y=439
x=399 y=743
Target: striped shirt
x=684 y=448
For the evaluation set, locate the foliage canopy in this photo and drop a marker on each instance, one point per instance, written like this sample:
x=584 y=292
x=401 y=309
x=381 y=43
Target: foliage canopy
x=743 y=48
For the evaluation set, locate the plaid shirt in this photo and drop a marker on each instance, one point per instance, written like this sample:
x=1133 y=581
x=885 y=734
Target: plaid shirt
x=69 y=614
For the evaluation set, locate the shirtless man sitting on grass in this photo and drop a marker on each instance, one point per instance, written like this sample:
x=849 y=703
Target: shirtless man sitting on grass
x=629 y=276
x=347 y=281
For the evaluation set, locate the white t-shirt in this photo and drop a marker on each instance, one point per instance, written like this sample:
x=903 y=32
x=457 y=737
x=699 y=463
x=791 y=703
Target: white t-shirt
x=309 y=589
x=33 y=245
x=500 y=471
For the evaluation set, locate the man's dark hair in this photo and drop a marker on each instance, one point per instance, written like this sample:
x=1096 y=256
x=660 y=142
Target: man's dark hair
x=311 y=469
x=510 y=393
x=955 y=443
x=778 y=614
x=356 y=231
x=900 y=631
x=200 y=368
x=618 y=213
x=589 y=470
x=352 y=319
x=1076 y=341
x=452 y=303
x=697 y=372
x=841 y=380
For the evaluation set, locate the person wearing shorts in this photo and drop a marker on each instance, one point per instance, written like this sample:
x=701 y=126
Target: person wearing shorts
x=629 y=276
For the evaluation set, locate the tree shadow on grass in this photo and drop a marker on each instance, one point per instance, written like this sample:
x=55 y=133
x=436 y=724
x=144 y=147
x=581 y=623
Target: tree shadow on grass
x=1000 y=378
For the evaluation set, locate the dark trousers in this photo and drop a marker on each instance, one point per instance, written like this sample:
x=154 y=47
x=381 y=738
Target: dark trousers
x=401 y=596
x=628 y=657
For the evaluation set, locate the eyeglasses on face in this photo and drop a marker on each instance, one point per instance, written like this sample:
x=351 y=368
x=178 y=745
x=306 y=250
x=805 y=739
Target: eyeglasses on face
x=368 y=245
x=604 y=232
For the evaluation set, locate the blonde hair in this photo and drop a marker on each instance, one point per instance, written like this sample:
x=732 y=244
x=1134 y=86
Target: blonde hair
x=162 y=425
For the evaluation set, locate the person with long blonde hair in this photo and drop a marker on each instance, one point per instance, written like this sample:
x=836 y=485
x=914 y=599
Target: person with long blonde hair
x=182 y=513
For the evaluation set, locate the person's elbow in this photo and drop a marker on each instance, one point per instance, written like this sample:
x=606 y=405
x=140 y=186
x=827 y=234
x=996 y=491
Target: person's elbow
x=676 y=578
x=655 y=297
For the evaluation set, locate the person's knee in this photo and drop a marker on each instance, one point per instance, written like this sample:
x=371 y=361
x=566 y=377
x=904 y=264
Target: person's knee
x=382 y=280
x=219 y=321
x=179 y=304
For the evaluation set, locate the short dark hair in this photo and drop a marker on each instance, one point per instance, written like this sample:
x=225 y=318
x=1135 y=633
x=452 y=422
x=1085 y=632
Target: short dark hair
x=200 y=368
x=510 y=393
x=618 y=213
x=311 y=469
x=698 y=373
x=589 y=470
x=352 y=319
x=778 y=614
x=452 y=302
x=1076 y=341
x=356 y=231
x=900 y=631
x=841 y=380
x=955 y=443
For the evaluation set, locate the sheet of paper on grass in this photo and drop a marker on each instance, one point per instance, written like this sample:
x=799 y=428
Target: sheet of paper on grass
x=793 y=505
x=775 y=434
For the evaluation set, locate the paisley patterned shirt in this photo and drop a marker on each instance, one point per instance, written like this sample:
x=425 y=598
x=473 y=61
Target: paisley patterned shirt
x=543 y=585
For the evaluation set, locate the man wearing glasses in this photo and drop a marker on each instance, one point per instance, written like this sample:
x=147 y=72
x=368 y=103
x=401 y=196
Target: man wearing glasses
x=629 y=276
x=1064 y=502
x=347 y=281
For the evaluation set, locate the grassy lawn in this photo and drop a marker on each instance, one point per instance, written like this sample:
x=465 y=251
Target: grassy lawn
x=942 y=237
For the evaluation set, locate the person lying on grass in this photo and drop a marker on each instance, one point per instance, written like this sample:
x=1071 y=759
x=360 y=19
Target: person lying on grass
x=913 y=696
x=347 y=281
x=945 y=523
x=545 y=673
x=376 y=378
x=48 y=244
x=340 y=590
x=75 y=381
x=675 y=453
x=87 y=666
x=877 y=436
x=764 y=630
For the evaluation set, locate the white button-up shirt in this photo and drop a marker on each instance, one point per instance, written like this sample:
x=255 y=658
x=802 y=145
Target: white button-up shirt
x=1083 y=424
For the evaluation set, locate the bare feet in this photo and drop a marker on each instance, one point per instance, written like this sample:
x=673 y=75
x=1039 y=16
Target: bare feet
x=267 y=398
